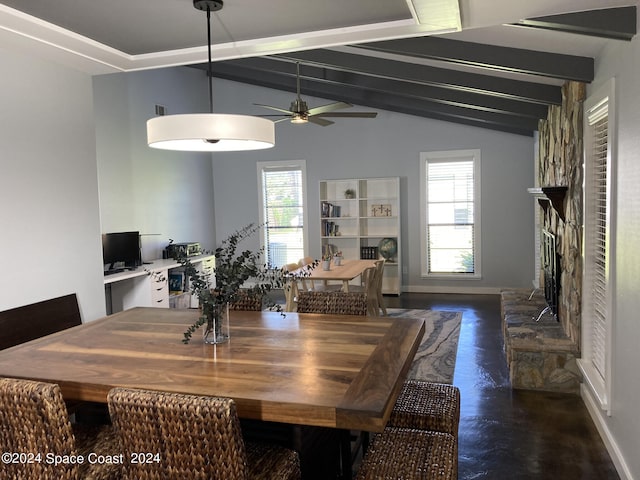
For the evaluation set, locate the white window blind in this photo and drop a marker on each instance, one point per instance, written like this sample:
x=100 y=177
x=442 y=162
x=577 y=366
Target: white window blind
x=283 y=210
x=596 y=293
x=450 y=204
x=597 y=312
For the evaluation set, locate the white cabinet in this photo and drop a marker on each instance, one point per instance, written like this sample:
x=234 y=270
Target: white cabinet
x=148 y=286
x=361 y=218
x=159 y=290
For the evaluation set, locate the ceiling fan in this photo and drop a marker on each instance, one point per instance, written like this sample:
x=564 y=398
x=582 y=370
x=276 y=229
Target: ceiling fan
x=299 y=112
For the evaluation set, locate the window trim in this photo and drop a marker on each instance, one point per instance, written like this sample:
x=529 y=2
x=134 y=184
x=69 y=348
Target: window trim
x=283 y=164
x=451 y=155
x=600 y=388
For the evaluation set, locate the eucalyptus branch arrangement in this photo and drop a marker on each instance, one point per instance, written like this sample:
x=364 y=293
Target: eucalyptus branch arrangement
x=233 y=268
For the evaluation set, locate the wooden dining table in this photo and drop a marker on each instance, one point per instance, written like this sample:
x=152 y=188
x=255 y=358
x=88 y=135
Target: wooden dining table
x=347 y=271
x=336 y=371
x=333 y=371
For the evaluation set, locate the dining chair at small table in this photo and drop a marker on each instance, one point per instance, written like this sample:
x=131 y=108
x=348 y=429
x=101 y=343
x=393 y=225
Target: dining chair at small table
x=303 y=262
x=290 y=287
x=372 y=287
x=195 y=437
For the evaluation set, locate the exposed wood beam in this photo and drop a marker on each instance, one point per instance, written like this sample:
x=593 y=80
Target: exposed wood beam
x=376 y=99
x=445 y=96
x=614 y=23
x=506 y=59
x=427 y=75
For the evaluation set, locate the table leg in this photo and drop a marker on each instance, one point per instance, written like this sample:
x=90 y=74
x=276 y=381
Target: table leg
x=345 y=285
x=345 y=455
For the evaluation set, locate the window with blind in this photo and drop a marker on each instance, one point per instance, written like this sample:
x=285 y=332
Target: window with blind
x=597 y=311
x=450 y=201
x=282 y=209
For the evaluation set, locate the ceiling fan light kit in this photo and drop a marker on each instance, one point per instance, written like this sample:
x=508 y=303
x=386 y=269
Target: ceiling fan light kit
x=299 y=112
x=210 y=132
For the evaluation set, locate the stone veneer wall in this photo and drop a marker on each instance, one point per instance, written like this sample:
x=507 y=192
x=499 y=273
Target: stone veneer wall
x=542 y=355
x=560 y=164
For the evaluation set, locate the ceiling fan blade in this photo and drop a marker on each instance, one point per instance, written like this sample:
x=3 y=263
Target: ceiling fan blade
x=349 y=114
x=328 y=108
x=278 y=109
x=320 y=121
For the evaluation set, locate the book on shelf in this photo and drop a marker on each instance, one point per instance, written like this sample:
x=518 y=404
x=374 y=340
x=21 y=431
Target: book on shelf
x=368 y=253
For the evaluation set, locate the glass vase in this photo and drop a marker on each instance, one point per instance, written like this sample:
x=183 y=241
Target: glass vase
x=217 y=327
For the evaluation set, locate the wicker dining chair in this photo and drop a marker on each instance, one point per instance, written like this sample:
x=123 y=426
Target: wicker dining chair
x=196 y=437
x=427 y=406
x=246 y=300
x=34 y=421
x=405 y=453
x=335 y=303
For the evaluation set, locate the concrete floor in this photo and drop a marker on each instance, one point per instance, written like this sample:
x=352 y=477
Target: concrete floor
x=505 y=433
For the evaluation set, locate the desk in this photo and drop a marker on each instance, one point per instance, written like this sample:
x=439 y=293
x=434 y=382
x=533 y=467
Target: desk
x=347 y=271
x=147 y=286
x=333 y=371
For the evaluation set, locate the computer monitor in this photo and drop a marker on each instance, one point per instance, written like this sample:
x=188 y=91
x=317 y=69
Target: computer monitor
x=121 y=250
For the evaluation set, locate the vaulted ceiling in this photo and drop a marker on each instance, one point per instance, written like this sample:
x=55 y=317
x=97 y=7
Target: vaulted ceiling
x=502 y=87
x=495 y=65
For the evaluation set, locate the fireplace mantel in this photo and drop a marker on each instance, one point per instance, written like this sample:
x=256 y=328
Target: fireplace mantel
x=553 y=196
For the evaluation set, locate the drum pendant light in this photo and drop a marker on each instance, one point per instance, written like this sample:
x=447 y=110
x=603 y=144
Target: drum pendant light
x=210 y=132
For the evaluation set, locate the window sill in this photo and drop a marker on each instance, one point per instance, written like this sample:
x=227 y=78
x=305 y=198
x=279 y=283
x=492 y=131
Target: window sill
x=451 y=276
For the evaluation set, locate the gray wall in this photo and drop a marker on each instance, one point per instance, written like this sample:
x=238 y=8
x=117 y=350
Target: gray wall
x=164 y=195
x=388 y=145
x=621 y=430
x=49 y=216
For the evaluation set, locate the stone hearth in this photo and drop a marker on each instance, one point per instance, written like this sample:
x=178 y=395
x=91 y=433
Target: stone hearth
x=540 y=355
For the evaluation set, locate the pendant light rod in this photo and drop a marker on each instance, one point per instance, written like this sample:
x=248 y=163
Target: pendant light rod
x=209 y=6
x=209 y=68
x=209 y=132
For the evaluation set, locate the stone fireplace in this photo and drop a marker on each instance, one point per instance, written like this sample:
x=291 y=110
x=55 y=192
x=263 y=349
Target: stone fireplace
x=542 y=354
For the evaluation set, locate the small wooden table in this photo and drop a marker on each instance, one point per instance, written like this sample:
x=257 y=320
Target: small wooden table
x=345 y=272
x=335 y=371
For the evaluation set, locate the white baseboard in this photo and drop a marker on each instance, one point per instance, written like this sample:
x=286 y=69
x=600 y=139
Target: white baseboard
x=597 y=415
x=460 y=290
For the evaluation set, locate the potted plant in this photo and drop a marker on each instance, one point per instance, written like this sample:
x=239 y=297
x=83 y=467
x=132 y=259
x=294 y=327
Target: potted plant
x=337 y=258
x=349 y=193
x=326 y=261
x=233 y=268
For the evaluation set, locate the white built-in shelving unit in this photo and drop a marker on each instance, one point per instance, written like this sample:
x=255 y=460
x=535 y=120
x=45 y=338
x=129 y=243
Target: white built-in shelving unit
x=356 y=215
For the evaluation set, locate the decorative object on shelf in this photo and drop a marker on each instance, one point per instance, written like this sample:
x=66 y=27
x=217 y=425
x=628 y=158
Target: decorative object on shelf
x=207 y=132
x=381 y=210
x=337 y=259
x=176 y=283
x=349 y=193
x=232 y=270
x=388 y=247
